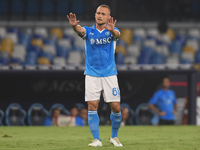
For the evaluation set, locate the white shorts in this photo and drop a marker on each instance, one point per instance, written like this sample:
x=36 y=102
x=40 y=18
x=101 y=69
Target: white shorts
x=94 y=86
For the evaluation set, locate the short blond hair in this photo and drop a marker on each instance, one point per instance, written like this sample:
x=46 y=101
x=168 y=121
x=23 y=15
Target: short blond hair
x=105 y=6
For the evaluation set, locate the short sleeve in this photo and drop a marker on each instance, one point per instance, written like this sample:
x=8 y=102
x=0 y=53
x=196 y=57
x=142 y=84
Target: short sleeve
x=86 y=31
x=154 y=99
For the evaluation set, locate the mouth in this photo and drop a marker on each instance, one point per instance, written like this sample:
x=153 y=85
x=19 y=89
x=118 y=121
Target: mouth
x=99 y=19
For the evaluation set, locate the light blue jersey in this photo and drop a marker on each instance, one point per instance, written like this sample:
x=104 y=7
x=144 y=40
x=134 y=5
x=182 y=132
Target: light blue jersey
x=99 y=52
x=165 y=101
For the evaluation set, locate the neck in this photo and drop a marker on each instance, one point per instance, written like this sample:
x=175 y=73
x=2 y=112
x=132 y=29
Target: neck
x=100 y=27
x=165 y=89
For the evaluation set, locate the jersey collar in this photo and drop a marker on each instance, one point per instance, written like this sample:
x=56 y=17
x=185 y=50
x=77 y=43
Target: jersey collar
x=94 y=27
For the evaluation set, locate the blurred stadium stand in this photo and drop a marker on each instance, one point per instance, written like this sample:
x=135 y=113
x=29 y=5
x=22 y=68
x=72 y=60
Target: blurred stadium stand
x=139 y=43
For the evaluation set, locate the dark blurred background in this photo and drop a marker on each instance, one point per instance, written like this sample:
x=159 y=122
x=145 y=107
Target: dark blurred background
x=126 y=10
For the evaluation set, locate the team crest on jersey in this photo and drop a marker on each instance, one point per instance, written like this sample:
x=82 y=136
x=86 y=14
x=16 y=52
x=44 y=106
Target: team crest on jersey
x=107 y=33
x=92 y=41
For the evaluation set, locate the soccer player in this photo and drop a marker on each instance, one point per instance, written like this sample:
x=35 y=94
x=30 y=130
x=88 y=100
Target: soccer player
x=100 y=70
x=165 y=100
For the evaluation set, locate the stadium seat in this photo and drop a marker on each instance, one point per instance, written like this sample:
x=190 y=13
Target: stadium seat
x=172 y=60
x=194 y=33
x=65 y=43
x=139 y=35
x=157 y=59
x=145 y=116
x=188 y=56
x=13 y=30
x=58 y=32
x=162 y=49
x=121 y=49
x=15 y=61
x=152 y=33
x=131 y=113
x=181 y=37
x=133 y=50
x=61 y=107
x=49 y=49
x=59 y=61
x=130 y=60
x=145 y=56
x=119 y=59
x=49 y=41
x=7 y=46
x=3 y=32
x=70 y=38
x=24 y=39
x=4 y=55
x=176 y=47
x=4 y=61
x=43 y=61
x=189 y=49
x=12 y=36
x=75 y=57
x=19 y=52
x=62 y=51
x=37 y=42
x=193 y=43
x=197 y=57
x=78 y=42
x=185 y=61
x=15 y=115
x=1 y=117
x=171 y=34
x=35 y=48
x=37 y=114
x=31 y=58
x=69 y=32
x=163 y=39
x=150 y=43
x=126 y=35
x=41 y=31
x=47 y=55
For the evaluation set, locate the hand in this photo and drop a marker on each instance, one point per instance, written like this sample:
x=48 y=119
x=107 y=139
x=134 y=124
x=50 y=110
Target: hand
x=111 y=25
x=72 y=19
x=162 y=113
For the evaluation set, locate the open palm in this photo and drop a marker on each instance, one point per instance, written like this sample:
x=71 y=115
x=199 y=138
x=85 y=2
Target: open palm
x=72 y=19
x=111 y=24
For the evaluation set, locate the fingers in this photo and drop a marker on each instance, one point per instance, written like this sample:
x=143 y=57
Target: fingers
x=71 y=16
x=115 y=21
x=111 y=20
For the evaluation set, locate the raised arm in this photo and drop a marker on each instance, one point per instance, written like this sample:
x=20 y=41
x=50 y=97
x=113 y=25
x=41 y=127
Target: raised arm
x=74 y=23
x=111 y=27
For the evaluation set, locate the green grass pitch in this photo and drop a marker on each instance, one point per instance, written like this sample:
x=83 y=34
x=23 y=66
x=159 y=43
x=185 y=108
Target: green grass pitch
x=77 y=138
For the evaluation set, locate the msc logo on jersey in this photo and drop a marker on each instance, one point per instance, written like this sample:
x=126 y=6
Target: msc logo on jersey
x=92 y=41
x=100 y=41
